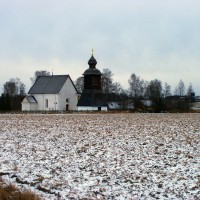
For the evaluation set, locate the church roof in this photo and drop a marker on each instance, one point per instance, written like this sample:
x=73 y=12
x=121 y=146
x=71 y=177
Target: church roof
x=31 y=99
x=48 y=84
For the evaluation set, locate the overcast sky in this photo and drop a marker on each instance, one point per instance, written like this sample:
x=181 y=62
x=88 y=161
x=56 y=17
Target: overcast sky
x=151 y=38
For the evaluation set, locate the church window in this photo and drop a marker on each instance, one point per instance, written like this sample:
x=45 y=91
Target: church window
x=46 y=103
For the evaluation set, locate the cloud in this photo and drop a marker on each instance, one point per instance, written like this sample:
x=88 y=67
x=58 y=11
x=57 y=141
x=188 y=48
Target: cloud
x=154 y=39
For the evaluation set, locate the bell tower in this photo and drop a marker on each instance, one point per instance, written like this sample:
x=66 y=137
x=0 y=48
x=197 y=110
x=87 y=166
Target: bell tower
x=92 y=76
x=92 y=97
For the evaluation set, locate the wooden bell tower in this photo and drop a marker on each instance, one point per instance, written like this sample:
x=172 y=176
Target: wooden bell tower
x=92 y=97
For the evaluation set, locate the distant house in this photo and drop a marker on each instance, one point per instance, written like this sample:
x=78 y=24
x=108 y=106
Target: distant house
x=196 y=98
x=195 y=105
x=147 y=103
x=124 y=105
x=56 y=92
x=114 y=106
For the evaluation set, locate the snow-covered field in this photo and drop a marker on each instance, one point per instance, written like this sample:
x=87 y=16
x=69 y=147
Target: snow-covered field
x=102 y=156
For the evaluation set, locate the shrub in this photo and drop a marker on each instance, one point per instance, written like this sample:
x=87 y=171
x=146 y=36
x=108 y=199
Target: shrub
x=11 y=192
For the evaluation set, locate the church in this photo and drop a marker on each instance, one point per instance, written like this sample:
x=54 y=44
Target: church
x=58 y=92
x=51 y=93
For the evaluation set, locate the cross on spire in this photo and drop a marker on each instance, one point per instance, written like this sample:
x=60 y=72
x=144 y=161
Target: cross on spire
x=92 y=51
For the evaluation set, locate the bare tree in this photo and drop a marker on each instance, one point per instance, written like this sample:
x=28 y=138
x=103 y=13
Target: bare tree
x=14 y=87
x=22 y=89
x=136 y=86
x=154 y=93
x=190 y=90
x=116 y=88
x=10 y=88
x=14 y=91
x=106 y=81
x=39 y=73
x=167 y=90
x=79 y=83
x=154 y=89
x=180 y=89
x=145 y=87
x=112 y=90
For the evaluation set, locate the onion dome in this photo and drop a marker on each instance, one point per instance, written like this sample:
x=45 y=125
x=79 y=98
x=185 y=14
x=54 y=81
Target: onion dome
x=92 y=62
x=92 y=69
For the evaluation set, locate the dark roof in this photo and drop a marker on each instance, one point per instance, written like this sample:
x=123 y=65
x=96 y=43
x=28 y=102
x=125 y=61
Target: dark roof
x=92 y=61
x=92 y=99
x=31 y=99
x=92 y=71
x=49 y=84
x=92 y=67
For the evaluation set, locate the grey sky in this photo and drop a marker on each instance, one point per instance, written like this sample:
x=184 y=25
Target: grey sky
x=152 y=38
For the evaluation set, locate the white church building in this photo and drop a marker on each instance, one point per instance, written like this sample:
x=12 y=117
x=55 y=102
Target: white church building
x=51 y=93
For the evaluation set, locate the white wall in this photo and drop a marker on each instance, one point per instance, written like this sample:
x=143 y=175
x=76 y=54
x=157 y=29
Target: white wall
x=26 y=106
x=52 y=101
x=68 y=92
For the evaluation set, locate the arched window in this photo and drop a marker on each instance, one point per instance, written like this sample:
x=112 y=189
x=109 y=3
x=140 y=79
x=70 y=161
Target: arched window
x=46 y=103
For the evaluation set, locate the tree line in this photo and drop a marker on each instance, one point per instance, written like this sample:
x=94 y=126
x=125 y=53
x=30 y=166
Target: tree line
x=14 y=92
x=140 y=93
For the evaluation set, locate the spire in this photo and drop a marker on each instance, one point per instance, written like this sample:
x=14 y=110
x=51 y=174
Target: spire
x=92 y=51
